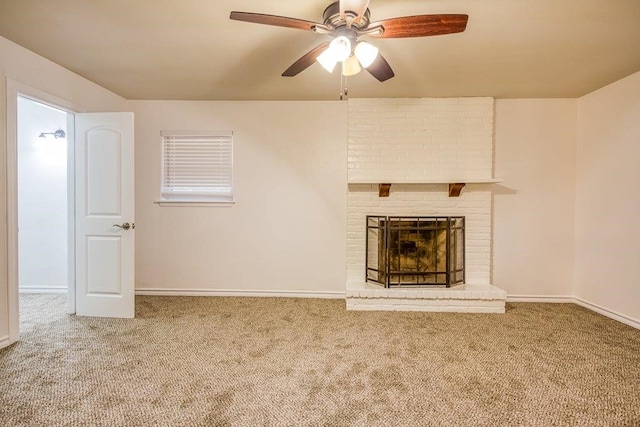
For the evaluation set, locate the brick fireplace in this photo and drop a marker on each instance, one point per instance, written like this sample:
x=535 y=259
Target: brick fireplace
x=420 y=146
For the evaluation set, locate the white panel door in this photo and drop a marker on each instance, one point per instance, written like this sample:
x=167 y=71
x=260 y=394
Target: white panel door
x=104 y=215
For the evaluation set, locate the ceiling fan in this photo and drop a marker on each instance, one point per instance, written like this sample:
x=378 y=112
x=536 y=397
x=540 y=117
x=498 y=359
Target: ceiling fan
x=349 y=20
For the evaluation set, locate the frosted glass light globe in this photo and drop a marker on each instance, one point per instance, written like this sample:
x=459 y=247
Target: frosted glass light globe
x=366 y=53
x=351 y=67
x=328 y=60
x=341 y=48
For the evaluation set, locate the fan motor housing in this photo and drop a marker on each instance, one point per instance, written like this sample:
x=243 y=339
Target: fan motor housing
x=332 y=18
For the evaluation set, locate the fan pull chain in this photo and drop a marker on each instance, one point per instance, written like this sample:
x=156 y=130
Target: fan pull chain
x=344 y=90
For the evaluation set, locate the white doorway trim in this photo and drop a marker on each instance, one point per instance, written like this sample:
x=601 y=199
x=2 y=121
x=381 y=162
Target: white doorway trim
x=14 y=90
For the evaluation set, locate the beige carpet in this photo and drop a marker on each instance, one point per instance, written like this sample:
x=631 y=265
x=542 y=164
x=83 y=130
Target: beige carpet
x=267 y=361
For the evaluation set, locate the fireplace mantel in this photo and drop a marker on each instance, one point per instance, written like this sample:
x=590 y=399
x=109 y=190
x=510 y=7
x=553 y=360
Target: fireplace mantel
x=455 y=185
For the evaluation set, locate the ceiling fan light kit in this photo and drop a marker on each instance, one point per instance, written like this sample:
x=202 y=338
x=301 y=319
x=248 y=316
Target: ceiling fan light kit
x=348 y=20
x=353 y=60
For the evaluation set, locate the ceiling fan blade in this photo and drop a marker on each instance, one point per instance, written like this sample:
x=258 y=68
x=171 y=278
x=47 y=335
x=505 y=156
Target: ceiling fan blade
x=359 y=7
x=380 y=69
x=421 y=26
x=306 y=61
x=278 y=21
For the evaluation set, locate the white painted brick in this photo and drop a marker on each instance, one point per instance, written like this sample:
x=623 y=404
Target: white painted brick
x=416 y=138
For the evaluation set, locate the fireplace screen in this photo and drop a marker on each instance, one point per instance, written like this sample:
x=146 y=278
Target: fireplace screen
x=415 y=251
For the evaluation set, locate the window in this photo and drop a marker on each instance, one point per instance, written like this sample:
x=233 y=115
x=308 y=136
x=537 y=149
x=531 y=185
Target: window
x=197 y=166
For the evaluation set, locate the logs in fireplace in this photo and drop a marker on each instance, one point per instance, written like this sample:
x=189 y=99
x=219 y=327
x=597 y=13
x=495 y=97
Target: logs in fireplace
x=415 y=251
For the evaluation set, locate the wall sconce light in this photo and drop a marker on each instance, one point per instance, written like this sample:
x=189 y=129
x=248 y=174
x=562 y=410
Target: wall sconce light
x=57 y=134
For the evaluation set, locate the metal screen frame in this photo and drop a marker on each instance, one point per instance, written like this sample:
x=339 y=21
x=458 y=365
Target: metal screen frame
x=388 y=275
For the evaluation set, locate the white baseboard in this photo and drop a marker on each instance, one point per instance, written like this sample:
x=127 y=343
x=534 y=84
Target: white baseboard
x=559 y=299
x=608 y=313
x=4 y=341
x=239 y=293
x=574 y=300
x=42 y=290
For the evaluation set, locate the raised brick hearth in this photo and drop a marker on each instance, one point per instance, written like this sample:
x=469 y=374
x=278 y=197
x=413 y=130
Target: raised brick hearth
x=462 y=298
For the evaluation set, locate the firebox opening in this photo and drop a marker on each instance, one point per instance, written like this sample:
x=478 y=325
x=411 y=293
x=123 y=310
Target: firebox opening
x=415 y=251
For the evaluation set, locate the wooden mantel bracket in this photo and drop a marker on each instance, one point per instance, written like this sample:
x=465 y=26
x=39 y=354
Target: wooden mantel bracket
x=383 y=190
x=455 y=189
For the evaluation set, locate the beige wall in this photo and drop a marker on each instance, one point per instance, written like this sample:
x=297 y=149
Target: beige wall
x=29 y=69
x=608 y=198
x=286 y=155
x=286 y=231
x=534 y=205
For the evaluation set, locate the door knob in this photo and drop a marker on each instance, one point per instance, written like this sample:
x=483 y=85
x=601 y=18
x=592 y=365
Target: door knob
x=124 y=226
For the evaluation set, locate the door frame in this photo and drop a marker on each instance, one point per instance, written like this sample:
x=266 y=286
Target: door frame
x=14 y=90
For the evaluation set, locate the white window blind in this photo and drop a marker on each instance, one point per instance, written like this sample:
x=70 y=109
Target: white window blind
x=197 y=166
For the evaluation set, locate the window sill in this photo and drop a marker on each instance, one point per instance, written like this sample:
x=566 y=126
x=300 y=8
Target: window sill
x=194 y=203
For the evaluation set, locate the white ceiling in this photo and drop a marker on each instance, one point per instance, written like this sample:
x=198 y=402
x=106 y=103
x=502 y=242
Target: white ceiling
x=190 y=49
